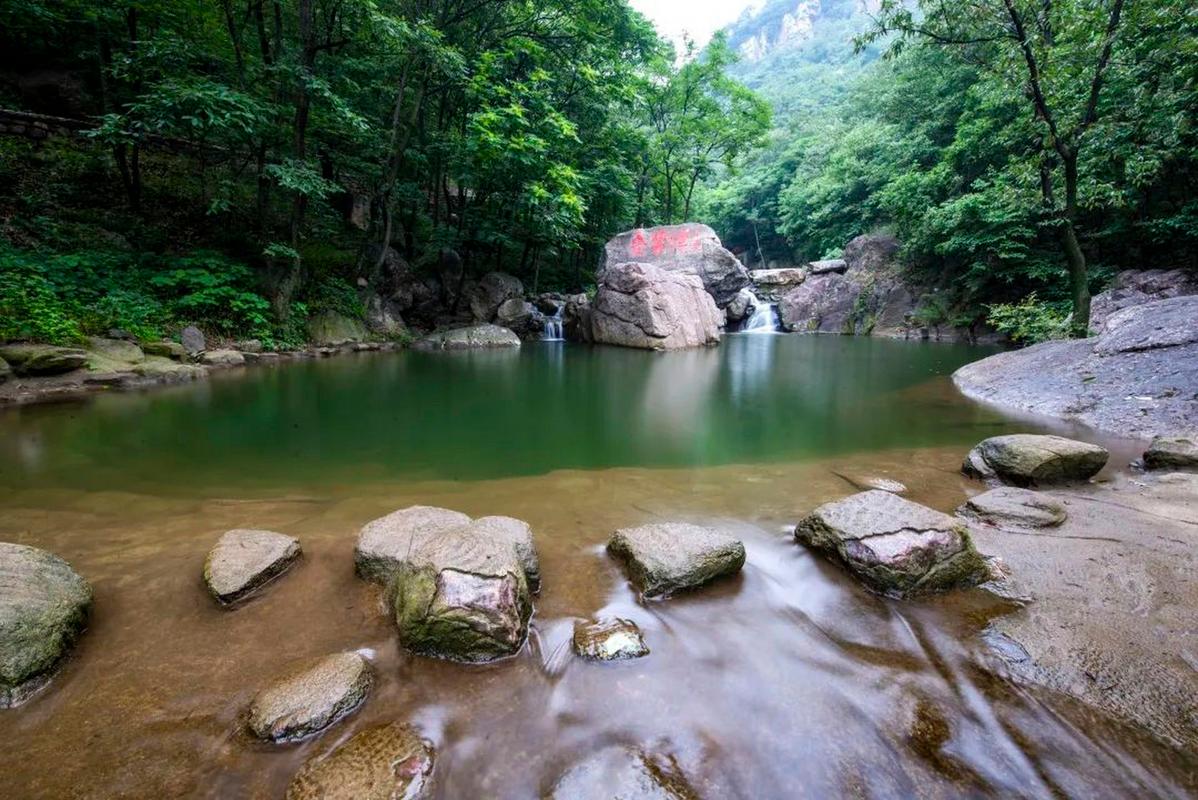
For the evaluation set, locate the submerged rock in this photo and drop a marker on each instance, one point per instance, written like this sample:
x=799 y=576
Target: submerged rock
x=1172 y=452
x=688 y=249
x=1025 y=460
x=609 y=640
x=472 y=338
x=1009 y=506
x=643 y=306
x=669 y=557
x=894 y=546
x=30 y=360
x=310 y=698
x=462 y=587
x=44 y=606
x=384 y=762
x=618 y=772
x=243 y=560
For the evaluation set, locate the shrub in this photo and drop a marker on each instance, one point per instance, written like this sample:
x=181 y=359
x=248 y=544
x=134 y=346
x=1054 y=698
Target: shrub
x=1030 y=321
x=30 y=309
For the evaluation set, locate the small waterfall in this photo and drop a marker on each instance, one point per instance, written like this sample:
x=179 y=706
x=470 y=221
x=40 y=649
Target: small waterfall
x=552 y=331
x=765 y=319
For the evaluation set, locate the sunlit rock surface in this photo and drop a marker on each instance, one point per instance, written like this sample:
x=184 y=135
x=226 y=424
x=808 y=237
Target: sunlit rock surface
x=670 y=557
x=244 y=560
x=1030 y=460
x=690 y=248
x=642 y=306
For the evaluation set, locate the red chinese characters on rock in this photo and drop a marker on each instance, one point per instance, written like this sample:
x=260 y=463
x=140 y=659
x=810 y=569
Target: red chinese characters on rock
x=667 y=242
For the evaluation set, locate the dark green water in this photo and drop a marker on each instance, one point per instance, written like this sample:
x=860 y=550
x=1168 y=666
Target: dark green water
x=465 y=416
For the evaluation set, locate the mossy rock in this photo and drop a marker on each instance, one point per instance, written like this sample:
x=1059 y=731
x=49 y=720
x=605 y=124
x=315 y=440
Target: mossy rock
x=30 y=360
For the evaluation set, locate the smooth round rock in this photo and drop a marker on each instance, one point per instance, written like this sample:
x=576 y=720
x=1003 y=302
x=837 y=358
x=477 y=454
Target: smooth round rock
x=244 y=560
x=44 y=607
x=669 y=557
x=384 y=762
x=1009 y=506
x=609 y=640
x=1027 y=460
x=311 y=698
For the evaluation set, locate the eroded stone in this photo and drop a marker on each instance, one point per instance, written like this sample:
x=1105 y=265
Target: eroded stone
x=1026 y=460
x=1008 y=506
x=669 y=557
x=384 y=762
x=609 y=640
x=244 y=560
x=310 y=698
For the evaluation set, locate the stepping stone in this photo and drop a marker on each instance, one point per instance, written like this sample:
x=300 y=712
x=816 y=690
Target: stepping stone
x=1172 y=452
x=609 y=640
x=893 y=545
x=1027 y=460
x=311 y=698
x=244 y=560
x=670 y=557
x=623 y=772
x=44 y=606
x=1008 y=506
x=384 y=762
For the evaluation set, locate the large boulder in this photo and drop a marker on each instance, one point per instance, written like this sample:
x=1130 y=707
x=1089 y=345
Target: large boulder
x=475 y=337
x=491 y=292
x=222 y=358
x=383 y=762
x=742 y=306
x=622 y=773
x=333 y=328
x=44 y=606
x=384 y=315
x=462 y=588
x=193 y=340
x=31 y=360
x=640 y=305
x=1172 y=452
x=577 y=319
x=310 y=697
x=244 y=560
x=1008 y=506
x=821 y=304
x=1135 y=287
x=1025 y=459
x=668 y=557
x=118 y=350
x=691 y=249
x=896 y=547
x=1138 y=378
x=828 y=265
x=771 y=285
x=165 y=349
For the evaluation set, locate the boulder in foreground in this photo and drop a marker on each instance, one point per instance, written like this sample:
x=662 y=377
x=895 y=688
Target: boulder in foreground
x=244 y=560
x=1008 y=506
x=670 y=557
x=623 y=772
x=44 y=606
x=384 y=762
x=476 y=337
x=1172 y=452
x=894 y=546
x=1025 y=459
x=609 y=640
x=462 y=588
x=688 y=249
x=640 y=305
x=310 y=698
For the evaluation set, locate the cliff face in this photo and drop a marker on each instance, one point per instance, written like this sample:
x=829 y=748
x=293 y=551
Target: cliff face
x=783 y=25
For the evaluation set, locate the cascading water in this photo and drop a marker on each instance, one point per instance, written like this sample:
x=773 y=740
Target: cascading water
x=765 y=319
x=552 y=331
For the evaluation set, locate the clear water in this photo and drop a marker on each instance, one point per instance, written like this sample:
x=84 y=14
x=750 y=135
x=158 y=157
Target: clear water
x=788 y=681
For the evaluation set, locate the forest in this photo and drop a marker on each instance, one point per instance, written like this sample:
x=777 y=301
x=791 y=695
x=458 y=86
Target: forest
x=244 y=164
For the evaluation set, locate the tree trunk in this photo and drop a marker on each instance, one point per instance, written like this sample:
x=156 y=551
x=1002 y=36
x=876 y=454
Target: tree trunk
x=290 y=280
x=1079 y=279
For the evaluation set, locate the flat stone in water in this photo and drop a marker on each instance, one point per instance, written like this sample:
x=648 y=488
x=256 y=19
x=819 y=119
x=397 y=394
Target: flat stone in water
x=609 y=640
x=243 y=560
x=1172 y=452
x=44 y=607
x=310 y=698
x=1026 y=460
x=620 y=773
x=1010 y=506
x=384 y=762
x=668 y=557
x=893 y=545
